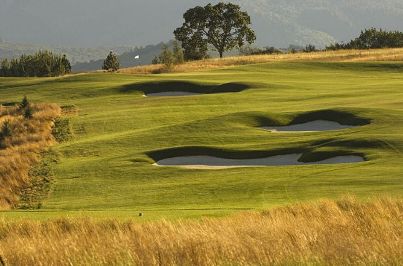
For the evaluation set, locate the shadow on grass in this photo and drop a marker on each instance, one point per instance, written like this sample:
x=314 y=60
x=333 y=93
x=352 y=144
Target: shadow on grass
x=184 y=86
x=340 y=116
x=308 y=154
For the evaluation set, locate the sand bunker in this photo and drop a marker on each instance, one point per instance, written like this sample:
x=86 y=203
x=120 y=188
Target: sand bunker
x=313 y=126
x=170 y=93
x=211 y=162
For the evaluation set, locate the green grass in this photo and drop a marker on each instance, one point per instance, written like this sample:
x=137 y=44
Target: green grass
x=106 y=170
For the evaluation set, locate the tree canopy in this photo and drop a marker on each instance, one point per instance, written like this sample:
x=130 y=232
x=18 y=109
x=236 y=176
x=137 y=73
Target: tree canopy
x=371 y=39
x=40 y=64
x=224 y=26
x=111 y=62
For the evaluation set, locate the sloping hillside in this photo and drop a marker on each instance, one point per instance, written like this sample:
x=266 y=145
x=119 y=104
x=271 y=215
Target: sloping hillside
x=141 y=22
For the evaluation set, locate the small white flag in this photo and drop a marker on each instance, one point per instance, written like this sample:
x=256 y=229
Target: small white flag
x=137 y=57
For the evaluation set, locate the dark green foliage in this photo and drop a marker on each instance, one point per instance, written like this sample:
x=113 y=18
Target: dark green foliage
x=26 y=108
x=28 y=113
x=170 y=57
x=24 y=103
x=155 y=60
x=6 y=130
x=41 y=64
x=178 y=53
x=62 y=130
x=310 y=48
x=224 y=26
x=111 y=62
x=66 y=64
x=372 y=39
x=248 y=50
x=166 y=57
x=41 y=180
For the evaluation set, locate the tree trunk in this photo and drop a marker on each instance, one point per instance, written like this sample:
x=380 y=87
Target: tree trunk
x=221 y=53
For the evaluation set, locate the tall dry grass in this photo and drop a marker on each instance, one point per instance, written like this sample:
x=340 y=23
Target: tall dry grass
x=329 y=232
x=20 y=151
x=395 y=54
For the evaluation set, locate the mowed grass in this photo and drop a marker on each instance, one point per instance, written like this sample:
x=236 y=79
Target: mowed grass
x=105 y=171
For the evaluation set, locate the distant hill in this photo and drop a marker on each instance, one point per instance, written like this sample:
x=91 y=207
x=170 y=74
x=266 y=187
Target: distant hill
x=126 y=59
x=11 y=50
x=92 y=23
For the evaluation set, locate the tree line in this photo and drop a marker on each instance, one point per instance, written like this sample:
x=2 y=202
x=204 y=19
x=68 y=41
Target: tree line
x=372 y=39
x=40 y=64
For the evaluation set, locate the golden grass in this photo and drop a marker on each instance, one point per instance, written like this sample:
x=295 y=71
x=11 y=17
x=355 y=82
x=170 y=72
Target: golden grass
x=329 y=232
x=395 y=54
x=21 y=151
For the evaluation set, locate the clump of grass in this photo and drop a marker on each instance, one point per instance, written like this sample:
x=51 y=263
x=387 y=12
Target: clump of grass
x=24 y=136
x=62 y=130
x=329 y=232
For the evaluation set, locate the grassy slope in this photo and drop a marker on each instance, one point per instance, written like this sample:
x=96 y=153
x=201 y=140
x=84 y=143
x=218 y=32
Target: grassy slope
x=106 y=170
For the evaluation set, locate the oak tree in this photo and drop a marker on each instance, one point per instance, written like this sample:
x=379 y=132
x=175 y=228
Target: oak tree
x=224 y=26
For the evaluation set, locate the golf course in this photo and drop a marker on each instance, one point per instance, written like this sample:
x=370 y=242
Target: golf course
x=184 y=153
x=107 y=167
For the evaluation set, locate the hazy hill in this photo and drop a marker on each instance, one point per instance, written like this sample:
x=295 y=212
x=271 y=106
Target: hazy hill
x=91 y=23
x=126 y=59
x=12 y=50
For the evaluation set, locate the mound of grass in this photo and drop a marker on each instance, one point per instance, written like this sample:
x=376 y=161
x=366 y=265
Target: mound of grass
x=342 y=117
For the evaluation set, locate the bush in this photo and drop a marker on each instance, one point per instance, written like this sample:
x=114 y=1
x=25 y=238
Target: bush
x=6 y=130
x=310 y=48
x=28 y=113
x=170 y=57
x=249 y=50
x=111 y=62
x=24 y=103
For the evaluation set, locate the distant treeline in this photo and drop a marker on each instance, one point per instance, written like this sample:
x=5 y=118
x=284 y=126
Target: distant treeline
x=372 y=39
x=40 y=64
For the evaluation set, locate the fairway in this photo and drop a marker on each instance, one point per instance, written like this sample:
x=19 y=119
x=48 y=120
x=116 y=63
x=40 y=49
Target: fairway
x=107 y=169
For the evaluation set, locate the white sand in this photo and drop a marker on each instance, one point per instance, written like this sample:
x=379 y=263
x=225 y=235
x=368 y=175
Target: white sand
x=171 y=93
x=211 y=162
x=317 y=125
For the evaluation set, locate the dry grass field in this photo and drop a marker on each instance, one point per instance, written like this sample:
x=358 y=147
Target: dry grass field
x=21 y=147
x=328 y=232
x=323 y=56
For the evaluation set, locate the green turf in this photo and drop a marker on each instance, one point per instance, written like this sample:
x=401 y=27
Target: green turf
x=107 y=171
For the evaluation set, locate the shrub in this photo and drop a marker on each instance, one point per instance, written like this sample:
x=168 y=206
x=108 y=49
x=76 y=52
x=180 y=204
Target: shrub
x=111 y=62
x=6 y=129
x=310 y=48
x=24 y=103
x=28 y=113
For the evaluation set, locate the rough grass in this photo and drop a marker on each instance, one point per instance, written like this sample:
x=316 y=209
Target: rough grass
x=395 y=54
x=341 y=232
x=20 y=151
